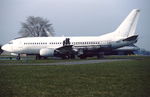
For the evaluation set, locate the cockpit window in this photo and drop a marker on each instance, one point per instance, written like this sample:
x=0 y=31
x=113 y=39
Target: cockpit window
x=10 y=42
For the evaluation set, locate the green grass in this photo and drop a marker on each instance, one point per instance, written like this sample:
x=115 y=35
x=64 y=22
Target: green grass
x=115 y=79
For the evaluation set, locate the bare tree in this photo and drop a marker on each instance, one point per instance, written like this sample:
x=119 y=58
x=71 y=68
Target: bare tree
x=36 y=27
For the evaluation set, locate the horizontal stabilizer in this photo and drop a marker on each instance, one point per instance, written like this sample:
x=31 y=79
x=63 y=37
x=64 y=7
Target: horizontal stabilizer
x=131 y=38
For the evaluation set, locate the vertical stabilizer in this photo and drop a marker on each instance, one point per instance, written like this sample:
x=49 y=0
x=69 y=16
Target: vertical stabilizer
x=128 y=26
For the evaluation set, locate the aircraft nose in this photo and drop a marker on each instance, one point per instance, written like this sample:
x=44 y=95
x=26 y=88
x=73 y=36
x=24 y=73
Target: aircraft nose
x=6 y=47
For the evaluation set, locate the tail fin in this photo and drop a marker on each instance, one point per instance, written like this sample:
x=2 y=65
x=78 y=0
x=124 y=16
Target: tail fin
x=128 y=26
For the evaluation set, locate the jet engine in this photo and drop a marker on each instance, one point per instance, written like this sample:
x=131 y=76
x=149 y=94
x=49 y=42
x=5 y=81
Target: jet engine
x=47 y=52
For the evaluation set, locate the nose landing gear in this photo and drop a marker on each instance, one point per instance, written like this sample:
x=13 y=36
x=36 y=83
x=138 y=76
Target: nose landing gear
x=18 y=57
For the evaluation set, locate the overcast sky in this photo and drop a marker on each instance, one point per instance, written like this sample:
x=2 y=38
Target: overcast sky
x=75 y=17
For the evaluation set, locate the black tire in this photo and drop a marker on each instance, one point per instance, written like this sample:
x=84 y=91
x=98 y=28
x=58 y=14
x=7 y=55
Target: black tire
x=18 y=58
x=38 y=57
x=82 y=57
x=100 y=55
x=63 y=57
x=72 y=56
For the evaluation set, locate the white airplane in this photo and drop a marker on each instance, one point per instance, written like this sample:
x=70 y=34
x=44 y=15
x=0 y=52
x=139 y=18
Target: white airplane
x=69 y=47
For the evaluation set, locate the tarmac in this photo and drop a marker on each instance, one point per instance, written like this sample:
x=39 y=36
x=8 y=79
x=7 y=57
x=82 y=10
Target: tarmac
x=70 y=63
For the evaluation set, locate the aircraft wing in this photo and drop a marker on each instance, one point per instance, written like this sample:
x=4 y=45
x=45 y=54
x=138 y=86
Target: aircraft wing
x=71 y=50
x=65 y=50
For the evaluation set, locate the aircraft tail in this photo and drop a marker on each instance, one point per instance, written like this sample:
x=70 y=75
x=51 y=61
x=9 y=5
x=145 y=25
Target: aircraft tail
x=128 y=26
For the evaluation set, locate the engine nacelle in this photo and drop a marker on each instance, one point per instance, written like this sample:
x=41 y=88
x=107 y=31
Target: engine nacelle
x=47 y=52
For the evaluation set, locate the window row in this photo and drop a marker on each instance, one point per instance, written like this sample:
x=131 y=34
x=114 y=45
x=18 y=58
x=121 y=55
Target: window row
x=73 y=43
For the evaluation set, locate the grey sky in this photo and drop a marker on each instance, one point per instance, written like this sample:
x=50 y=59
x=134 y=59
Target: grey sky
x=74 y=17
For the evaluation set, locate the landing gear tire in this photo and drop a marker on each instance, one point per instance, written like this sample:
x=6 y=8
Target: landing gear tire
x=68 y=56
x=72 y=56
x=64 y=57
x=82 y=57
x=18 y=57
x=45 y=58
x=38 y=57
x=100 y=55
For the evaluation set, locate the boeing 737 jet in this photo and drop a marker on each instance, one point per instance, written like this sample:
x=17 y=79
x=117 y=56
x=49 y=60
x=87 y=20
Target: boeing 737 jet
x=70 y=47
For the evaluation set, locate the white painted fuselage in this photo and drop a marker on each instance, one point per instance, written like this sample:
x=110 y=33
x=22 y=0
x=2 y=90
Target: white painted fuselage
x=124 y=35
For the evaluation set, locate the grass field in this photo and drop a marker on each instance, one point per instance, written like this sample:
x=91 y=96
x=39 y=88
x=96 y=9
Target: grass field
x=115 y=79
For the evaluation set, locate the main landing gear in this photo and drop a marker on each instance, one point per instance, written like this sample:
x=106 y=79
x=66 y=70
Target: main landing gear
x=38 y=57
x=68 y=56
x=100 y=55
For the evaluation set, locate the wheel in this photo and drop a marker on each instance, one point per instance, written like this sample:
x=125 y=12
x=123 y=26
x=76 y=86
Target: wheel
x=45 y=58
x=100 y=55
x=38 y=57
x=18 y=57
x=72 y=56
x=82 y=57
x=64 y=57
